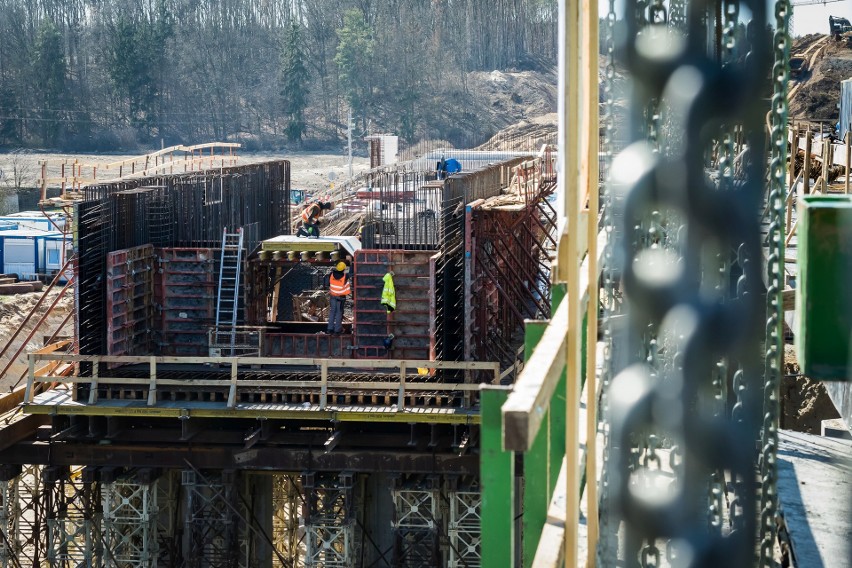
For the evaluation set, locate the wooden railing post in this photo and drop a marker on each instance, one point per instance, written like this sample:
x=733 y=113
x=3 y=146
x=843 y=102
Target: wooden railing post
x=152 y=386
x=232 y=391
x=323 y=384
x=28 y=393
x=93 y=385
x=806 y=166
x=400 y=402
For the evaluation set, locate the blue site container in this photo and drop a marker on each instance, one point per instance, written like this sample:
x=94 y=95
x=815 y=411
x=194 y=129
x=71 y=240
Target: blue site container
x=23 y=252
x=36 y=220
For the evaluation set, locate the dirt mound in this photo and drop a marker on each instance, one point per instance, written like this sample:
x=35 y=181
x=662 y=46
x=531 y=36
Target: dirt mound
x=819 y=91
x=526 y=135
x=804 y=402
x=512 y=96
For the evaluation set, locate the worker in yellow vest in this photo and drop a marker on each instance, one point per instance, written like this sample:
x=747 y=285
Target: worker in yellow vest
x=339 y=288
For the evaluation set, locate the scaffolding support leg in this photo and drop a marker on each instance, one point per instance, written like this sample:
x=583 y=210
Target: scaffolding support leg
x=329 y=520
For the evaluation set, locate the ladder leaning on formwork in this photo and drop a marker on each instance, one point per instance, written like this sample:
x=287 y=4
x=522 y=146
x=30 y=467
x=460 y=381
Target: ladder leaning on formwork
x=227 y=303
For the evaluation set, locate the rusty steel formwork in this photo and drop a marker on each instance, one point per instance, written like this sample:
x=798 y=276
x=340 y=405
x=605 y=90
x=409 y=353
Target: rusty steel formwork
x=507 y=267
x=187 y=211
x=185 y=283
x=411 y=323
x=198 y=206
x=450 y=274
x=129 y=300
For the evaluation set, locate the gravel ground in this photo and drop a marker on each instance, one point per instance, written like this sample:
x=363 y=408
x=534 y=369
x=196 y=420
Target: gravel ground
x=308 y=170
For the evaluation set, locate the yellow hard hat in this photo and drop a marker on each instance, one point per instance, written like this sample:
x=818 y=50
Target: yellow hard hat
x=341 y=266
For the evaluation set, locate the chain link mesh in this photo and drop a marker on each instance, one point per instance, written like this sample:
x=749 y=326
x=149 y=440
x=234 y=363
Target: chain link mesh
x=672 y=444
x=774 y=342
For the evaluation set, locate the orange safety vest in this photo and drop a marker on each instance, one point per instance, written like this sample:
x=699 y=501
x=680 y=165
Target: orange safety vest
x=311 y=211
x=339 y=286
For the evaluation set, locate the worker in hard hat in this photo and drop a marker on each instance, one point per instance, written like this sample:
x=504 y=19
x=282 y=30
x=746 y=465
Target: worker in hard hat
x=311 y=218
x=339 y=288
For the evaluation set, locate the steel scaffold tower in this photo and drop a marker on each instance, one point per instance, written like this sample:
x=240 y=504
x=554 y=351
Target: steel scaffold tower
x=416 y=521
x=286 y=534
x=464 y=524
x=329 y=520
x=22 y=514
x=209 y=522
x=130 y=515
x=73 y=523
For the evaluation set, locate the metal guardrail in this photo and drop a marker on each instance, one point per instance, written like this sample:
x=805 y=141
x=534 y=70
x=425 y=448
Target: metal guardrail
x=401 y=386
x=242 y=341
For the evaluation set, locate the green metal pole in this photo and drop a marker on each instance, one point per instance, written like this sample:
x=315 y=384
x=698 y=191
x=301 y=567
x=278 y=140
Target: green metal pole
x=497 y=473
x=537 y=486
x=557 y=409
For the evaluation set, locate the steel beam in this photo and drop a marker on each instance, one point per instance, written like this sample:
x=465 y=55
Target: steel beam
x=226 y=457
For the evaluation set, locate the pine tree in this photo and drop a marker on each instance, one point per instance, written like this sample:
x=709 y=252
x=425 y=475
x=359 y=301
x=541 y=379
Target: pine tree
x=354 y=60
x=49 y=70
x=8 y=123
x=136 y=58
x=294 y=84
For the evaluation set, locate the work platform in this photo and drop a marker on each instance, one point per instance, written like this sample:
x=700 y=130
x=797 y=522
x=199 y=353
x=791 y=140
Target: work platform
x=292 y=243
x=816 y=498
x=57 y=401
x=337 y=390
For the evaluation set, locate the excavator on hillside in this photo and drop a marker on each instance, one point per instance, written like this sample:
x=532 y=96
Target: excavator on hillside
x=838 y=26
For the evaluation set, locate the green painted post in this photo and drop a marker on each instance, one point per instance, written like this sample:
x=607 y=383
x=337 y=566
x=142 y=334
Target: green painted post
x=544 y=459
x=557 y=409
x=557 y=434
x=497 y=474
x=557 y=293
x=823 y=301
x=537 y=489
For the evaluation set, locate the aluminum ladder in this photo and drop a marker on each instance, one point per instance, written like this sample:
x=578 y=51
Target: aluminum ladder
x=228 y=302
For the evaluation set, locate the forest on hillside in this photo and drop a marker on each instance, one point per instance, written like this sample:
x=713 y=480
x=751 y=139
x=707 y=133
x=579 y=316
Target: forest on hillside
x=100 y=75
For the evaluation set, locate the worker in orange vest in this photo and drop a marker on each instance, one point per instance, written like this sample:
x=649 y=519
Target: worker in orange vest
x=339 y=288
x=311 y=218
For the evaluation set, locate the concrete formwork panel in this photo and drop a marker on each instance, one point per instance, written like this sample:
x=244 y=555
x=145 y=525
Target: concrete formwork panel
x=410 y=322
x=130 y=305
x=186 y=299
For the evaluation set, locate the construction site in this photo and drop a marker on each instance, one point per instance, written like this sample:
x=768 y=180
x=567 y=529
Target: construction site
x=628 y=346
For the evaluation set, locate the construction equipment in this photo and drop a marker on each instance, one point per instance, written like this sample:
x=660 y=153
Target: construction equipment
x=798 y=65
x=838 y=26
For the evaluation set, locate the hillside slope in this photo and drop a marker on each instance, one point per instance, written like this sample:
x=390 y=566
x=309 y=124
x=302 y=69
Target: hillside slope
x=815 y=95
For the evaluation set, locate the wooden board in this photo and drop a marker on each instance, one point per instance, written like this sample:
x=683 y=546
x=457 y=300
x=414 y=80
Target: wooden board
x=285 y=243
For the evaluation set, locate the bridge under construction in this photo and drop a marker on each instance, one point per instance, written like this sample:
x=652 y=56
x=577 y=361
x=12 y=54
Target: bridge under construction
x=583 y=364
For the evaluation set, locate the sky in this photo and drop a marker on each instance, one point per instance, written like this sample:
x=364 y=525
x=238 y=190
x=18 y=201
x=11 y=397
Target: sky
x=814 y=19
